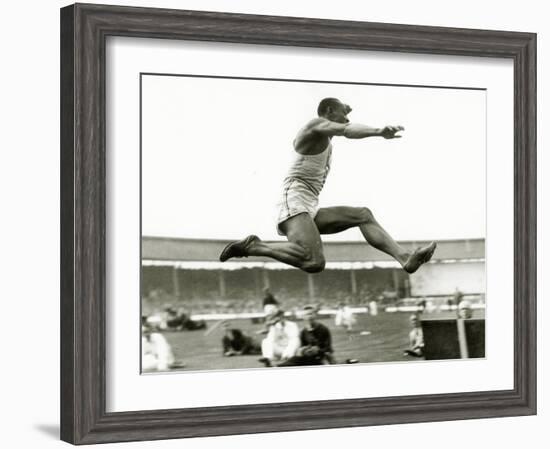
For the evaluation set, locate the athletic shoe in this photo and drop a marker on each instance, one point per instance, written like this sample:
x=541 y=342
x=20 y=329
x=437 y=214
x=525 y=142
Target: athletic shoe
x=238 y=249
x=419 y=257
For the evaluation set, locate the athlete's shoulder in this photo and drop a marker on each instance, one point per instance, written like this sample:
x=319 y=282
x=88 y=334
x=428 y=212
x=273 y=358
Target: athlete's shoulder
x=308 y=131
x=316 y=122
x=325 y=127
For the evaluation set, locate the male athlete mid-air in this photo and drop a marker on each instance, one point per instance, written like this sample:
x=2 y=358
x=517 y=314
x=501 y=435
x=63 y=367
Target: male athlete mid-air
x=300 y=218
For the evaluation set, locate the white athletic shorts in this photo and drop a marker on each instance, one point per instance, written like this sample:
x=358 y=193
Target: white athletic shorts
x=298 y=197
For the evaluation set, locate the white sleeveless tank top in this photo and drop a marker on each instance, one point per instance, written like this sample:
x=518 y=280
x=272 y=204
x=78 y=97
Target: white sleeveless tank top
x=312 y=169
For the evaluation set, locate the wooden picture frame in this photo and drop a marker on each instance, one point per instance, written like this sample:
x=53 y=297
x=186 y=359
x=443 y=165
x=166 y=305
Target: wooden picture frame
x=84 y=29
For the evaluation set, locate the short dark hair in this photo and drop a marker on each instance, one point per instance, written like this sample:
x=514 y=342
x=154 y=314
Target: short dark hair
x=325 y=104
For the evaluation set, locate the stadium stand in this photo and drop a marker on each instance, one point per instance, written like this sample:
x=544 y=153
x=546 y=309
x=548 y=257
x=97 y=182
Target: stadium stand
x=186 y=273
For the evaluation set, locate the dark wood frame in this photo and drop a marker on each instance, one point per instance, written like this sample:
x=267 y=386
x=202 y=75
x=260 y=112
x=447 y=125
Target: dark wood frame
x=84 y=29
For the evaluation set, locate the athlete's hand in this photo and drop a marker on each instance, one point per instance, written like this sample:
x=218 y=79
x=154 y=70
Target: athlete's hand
x=389 y=132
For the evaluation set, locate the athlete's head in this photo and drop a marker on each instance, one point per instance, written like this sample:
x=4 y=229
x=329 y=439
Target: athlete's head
x=334 y=110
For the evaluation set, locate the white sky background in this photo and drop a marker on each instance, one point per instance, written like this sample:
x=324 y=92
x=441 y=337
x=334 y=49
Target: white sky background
x=215 y=152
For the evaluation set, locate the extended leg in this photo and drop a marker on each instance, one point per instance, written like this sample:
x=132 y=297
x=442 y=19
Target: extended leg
x=303 y=250
x=331 y=220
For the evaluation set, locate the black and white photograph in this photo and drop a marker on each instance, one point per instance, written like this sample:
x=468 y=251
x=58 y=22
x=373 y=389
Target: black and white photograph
x=289 y=222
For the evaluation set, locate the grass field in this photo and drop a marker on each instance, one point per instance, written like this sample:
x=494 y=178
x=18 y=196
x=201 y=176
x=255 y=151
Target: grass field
x=386 y=341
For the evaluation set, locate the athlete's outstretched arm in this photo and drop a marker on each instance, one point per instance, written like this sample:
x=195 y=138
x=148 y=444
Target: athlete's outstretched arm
x=358 y=131
x=353 y=130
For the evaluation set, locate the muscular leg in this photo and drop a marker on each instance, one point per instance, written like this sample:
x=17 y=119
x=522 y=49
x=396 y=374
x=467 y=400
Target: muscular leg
x=331 y=220
x=303 y=250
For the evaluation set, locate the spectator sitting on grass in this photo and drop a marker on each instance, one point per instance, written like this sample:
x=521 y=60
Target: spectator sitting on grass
x=315 y=341
x=156 y=353
x=282 y=340
x=416 y=338
x=236 y=342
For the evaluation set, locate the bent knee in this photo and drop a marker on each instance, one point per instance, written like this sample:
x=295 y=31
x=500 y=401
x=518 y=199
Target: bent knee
x=314 y=266
x=365 y=215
